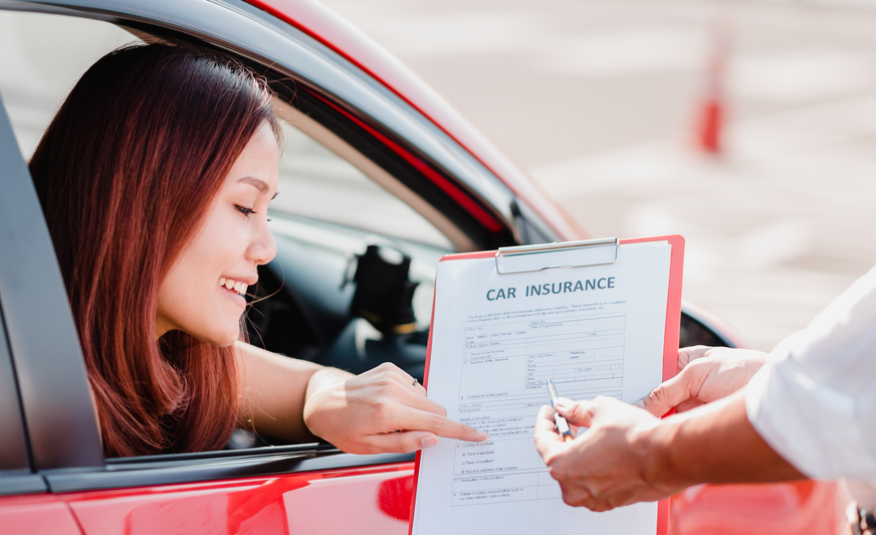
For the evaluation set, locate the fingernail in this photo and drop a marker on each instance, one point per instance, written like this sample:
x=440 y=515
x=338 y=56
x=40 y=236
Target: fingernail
x=483 y=434
x=429 y=441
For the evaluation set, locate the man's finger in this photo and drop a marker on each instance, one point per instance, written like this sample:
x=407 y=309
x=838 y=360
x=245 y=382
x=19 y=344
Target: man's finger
x=546 y=435
x=668 y=395
x=579 y=414
x=688 y=354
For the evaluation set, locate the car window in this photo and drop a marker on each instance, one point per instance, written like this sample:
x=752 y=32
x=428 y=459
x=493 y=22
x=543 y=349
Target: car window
x=318 y=184
x=43 y=56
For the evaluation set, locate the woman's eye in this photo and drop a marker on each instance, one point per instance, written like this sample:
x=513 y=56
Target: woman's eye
x=245 y=211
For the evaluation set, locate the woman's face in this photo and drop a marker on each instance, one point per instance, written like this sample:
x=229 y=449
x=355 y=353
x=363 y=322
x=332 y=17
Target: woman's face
x=202 y=292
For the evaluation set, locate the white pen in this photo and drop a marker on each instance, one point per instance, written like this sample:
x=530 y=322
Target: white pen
x=561 y=423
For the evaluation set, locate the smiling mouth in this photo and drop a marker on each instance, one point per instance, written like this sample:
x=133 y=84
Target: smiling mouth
x=233 y=285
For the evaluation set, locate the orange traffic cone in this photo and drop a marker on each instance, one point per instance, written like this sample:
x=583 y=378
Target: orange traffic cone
x=712 y=111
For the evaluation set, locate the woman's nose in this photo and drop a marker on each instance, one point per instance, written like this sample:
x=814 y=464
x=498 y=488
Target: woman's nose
x=264 y=248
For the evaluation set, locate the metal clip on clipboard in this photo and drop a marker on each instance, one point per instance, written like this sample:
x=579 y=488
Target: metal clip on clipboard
x=531 y=258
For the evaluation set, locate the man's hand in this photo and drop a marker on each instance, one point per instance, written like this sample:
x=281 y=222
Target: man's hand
x=381 y=410
x=705 y=374
x=605 y=466
x=628 y=456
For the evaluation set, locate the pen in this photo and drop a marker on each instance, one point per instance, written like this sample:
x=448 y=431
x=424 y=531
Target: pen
x=559 y=421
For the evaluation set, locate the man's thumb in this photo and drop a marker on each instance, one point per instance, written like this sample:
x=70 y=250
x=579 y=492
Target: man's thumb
x=668 y=395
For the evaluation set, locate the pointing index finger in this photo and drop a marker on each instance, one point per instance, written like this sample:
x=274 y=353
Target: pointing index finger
x=445 y=427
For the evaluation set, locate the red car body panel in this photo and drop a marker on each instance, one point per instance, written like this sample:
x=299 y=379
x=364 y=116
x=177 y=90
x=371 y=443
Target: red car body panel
x=801 y=508
x=38 y=514
x=376 y=500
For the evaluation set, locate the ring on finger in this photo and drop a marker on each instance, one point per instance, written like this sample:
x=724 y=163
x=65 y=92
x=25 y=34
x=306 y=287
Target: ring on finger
x=416 y=382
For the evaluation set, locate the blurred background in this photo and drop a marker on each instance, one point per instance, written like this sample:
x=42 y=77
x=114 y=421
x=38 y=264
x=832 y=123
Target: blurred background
x=607 y=104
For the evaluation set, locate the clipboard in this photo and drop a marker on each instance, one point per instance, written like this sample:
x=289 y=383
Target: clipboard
x=526 y=259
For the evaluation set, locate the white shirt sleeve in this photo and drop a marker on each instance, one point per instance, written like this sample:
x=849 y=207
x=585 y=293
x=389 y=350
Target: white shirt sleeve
x=814 y=401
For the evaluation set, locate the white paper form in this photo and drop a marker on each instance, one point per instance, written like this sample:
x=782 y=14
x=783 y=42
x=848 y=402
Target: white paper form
x=496 y=339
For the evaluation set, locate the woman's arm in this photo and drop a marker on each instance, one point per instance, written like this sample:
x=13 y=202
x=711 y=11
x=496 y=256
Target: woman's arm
x=273 y=392
x=381 y=410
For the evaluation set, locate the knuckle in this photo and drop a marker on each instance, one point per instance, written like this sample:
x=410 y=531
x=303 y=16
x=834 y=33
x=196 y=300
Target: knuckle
x=437 y=422
x=589 y=410
x=657 y=396
x=575 y=496
x=385 y=380
x=568 y=499
x=382 y=410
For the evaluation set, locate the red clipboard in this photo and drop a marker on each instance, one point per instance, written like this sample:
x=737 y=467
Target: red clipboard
x=670 y=343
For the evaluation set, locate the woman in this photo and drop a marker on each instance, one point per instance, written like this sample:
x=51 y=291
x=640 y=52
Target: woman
x=155 y=178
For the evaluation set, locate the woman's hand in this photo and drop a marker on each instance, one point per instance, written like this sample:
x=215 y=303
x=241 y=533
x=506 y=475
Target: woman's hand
x=705 y=374
x=381 y=410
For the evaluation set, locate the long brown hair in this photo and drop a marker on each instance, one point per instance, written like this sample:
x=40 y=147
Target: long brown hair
x=125 y=173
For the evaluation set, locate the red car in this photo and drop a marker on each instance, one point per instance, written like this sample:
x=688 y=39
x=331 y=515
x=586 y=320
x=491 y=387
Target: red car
x=373 y=156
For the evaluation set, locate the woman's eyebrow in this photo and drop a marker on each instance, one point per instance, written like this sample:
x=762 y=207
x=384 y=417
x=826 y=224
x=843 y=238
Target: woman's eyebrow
x=259 y=184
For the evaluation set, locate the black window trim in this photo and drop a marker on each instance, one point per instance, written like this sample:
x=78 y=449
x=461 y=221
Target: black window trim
x=215 y=466
x=49 y=370
x=16 y=468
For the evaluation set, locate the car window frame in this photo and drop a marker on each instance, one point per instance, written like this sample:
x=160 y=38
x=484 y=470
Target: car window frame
x=16 y=469
x=49 y=370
